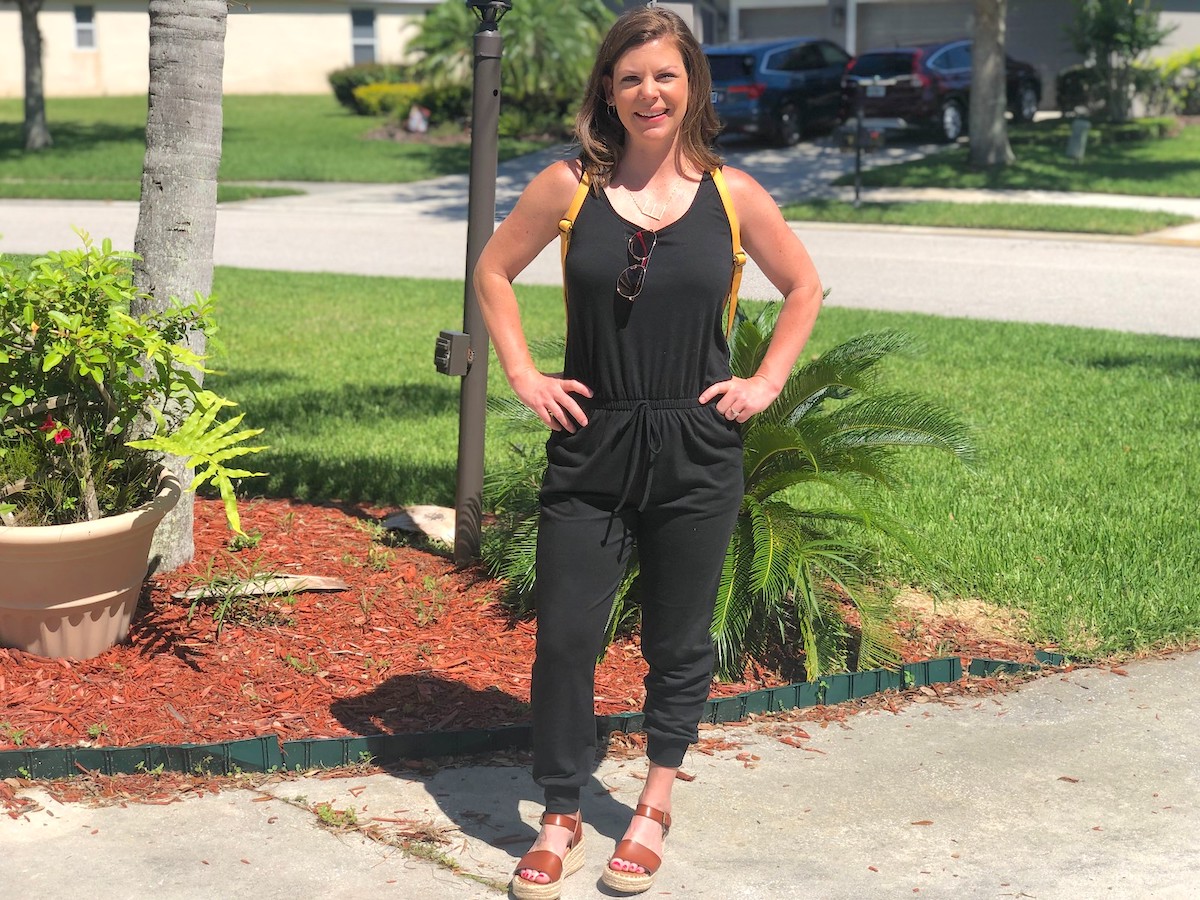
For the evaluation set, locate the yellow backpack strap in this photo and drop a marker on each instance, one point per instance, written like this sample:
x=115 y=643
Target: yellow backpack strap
x=568 y=222
x=739 y=255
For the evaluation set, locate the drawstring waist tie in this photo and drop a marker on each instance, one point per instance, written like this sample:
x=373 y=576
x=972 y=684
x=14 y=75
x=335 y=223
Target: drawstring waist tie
x=643 y=426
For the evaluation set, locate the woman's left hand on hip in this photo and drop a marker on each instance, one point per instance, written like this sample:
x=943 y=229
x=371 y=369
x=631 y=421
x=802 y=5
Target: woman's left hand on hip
x=740 y=398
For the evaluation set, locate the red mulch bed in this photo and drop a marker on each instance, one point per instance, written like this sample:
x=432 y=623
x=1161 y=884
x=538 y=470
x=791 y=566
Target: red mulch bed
x=414 y=645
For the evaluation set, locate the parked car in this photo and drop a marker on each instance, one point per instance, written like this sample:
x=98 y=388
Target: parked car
x=777 y=89
x=928 y=86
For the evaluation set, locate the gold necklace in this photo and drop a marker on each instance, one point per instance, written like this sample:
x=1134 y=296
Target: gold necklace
x=654 y=211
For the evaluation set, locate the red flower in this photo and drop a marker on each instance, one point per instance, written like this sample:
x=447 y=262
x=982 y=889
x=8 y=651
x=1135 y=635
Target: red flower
x=61 y=432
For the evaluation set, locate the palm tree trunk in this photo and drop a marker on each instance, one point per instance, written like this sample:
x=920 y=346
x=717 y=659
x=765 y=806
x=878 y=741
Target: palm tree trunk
x=988 y=127
x=177 y=219
x=37 y=132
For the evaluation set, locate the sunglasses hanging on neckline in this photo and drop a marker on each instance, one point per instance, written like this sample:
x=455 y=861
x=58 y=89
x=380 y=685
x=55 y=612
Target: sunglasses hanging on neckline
x=632 y=278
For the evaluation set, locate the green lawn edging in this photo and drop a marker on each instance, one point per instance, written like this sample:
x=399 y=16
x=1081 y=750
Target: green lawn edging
x=266 y=753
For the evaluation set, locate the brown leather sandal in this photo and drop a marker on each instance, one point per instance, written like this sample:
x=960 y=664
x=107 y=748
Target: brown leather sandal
x=558 y=868
x=631 y=851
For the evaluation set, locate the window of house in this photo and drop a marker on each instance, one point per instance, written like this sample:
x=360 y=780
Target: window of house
x=85 y=28
x=362 y=35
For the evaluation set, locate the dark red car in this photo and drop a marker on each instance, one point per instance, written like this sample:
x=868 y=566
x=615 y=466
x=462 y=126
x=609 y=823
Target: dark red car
x=928 y=86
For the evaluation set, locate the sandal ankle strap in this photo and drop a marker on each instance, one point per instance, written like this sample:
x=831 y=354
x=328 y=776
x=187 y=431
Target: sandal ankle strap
x=563 y=821
x=654 y=815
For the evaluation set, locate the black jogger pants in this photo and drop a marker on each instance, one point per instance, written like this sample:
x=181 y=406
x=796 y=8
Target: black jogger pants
x=681 y=528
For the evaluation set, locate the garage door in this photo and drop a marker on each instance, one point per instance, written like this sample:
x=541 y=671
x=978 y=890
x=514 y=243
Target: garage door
x=896 y=24
x=778 y=23
x=1037 y=34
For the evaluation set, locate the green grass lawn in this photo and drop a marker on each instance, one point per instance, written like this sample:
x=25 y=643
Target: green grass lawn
x=1081 y=510
x=1012 y=216
x=121 y=190
x=1162 y=168
x=99 y=144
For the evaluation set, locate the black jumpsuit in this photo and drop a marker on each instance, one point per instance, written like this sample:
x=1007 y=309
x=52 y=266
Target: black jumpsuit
x=652 y=466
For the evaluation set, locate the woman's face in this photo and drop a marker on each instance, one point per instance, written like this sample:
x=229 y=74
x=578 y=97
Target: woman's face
x=649 y=87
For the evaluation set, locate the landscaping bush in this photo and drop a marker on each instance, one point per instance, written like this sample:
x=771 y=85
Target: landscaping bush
x=447 y=102
x=1148 y=129
x=1079 y=89
x=386 y=99
x=1181 y=72
x=1114 y=37
x=517 y=120
x=344 y=81
x=1151 y=129
x=1148 y=84
x=817 y=463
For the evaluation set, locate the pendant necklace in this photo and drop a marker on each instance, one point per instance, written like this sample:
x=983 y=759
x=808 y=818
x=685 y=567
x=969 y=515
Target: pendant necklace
x=654 y=211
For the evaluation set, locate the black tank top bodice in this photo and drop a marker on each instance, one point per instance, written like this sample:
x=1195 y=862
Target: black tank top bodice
x=669 y=343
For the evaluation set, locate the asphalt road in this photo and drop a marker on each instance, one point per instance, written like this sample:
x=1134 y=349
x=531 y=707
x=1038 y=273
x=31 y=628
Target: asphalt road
x=1138 y=285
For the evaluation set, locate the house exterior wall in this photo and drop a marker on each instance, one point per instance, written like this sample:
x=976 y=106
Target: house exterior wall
x=1185 y=16
x=122 y=60
x=289 y=46
x=271 y=48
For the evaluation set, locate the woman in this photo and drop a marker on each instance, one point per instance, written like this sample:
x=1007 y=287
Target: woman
x=644 y=447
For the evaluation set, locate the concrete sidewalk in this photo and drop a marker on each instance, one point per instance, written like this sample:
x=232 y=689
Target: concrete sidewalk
x=1076 y=785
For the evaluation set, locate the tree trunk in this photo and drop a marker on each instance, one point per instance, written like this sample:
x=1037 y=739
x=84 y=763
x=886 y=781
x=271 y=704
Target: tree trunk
x=177 y=219
x=37 y=132
x=988 y=127
x=1118 y=90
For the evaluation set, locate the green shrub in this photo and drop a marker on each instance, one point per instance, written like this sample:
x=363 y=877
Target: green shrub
x=385 y=99
x=1079 y=89
x=1148 y=82
x=1152 y=129
x=1101 y=132
x=344 y=81
x=818 y=462
x=1181 y=72
x=447 y=103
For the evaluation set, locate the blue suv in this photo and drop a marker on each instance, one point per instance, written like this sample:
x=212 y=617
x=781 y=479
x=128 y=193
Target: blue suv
x=777 y=89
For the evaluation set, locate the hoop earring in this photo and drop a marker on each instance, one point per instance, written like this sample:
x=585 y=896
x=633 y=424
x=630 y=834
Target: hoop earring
x=612 y=110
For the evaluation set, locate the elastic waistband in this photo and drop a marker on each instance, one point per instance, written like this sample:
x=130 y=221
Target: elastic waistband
x=647 y=403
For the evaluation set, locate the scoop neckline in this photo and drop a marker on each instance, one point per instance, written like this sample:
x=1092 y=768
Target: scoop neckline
x=707 y=176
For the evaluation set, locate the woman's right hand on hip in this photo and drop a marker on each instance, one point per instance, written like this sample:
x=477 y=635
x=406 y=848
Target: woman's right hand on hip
x=551 y=399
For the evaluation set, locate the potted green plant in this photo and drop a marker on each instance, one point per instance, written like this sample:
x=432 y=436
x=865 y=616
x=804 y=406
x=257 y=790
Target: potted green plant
x=92 y=396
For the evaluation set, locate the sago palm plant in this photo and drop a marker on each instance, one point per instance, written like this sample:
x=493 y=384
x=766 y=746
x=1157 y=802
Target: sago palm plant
x=816 y=463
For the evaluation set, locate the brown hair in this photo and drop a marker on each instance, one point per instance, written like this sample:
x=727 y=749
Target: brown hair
x=601 y=135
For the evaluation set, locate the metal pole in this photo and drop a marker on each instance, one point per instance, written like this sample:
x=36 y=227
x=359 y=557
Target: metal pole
x=481 y=217
x=859 y=134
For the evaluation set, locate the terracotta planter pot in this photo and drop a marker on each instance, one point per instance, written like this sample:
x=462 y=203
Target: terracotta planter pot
x=71 y=590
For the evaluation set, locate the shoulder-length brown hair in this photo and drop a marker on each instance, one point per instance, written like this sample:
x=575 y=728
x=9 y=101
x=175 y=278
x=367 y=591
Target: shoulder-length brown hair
x=601 y=135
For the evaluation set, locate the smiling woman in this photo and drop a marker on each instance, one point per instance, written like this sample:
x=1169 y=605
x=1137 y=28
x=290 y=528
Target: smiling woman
x=645 y=444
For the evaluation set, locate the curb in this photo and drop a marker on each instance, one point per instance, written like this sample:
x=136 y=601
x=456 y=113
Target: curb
x=266 y=753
